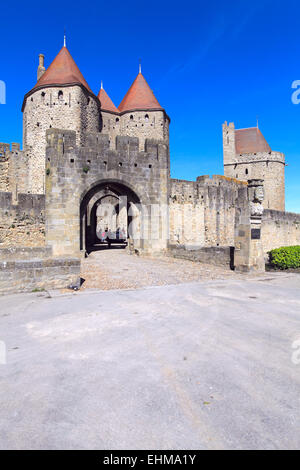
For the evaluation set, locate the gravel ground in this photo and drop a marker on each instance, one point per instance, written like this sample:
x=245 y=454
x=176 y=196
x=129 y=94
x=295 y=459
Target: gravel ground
x=117 y=269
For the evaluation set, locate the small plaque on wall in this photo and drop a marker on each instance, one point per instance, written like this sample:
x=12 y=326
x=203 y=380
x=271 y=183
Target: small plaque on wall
x=255 y=234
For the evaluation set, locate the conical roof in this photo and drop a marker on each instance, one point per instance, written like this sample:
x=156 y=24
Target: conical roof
x=139 y=96
x=62 y=71
x=106 y=102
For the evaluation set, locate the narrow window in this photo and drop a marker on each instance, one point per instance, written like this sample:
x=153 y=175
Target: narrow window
x=60 y=95
x=131 y=117
x=246 y=171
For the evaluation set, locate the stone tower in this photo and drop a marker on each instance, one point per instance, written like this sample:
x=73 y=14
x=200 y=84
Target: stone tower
x=61 y=99
x=110 y=117
x=141 y=114
x=247 y=155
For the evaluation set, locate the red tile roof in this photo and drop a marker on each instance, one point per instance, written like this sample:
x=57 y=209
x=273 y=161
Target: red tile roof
x=106 y=102
x=62 y=71
x=250 y=141
x=139 y=96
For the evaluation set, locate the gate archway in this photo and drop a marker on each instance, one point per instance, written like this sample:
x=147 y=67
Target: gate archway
x=112 y=207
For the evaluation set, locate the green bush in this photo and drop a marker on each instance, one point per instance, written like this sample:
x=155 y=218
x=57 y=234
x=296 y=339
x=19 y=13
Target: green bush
x=285 y=257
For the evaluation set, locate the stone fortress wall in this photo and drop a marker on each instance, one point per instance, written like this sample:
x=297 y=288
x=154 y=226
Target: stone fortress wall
x=280 y=229
x=22 y=223
x=13 y=170
x=202 y=212
x=74 y=171
x=72 y=148
x=141 y=124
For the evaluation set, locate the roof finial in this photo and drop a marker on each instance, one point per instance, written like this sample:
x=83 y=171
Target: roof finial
x=101 y=85
x=257 y=122
x=140 y=65
x=65 y=39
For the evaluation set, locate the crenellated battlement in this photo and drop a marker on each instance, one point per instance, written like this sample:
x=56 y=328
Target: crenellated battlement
x=6 y=149
x=99 y=155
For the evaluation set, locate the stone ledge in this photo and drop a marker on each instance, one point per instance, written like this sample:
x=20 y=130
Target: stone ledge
x=215 y=255
x=38 y=274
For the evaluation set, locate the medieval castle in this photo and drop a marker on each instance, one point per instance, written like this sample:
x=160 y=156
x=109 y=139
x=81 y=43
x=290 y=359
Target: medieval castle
x=80 y=151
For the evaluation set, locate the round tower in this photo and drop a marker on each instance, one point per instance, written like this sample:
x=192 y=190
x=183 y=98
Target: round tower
x=60 y=99
x=141 y=114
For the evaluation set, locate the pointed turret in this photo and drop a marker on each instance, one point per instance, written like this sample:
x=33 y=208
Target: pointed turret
x=106 y=102
x=141 y=114
x=139 y=97
x=62 y=71
x=60 y=99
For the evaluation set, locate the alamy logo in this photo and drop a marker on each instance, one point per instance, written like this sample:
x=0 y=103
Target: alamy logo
x=296 y=95
x=296 y=353
x=2 y=353
x=2 y=92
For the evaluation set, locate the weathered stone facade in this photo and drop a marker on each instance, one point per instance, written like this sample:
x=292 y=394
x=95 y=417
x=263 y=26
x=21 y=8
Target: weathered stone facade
x=77 y=155
x=70 y=107
x=22 y=223
x=202 y=212
x=267 y=165
x=280 y=229
x=76 y=174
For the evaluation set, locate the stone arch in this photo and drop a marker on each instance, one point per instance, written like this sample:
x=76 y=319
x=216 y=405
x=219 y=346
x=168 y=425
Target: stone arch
x=127 y=196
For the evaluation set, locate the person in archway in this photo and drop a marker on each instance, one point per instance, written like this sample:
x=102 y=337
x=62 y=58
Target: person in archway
x=103 y=236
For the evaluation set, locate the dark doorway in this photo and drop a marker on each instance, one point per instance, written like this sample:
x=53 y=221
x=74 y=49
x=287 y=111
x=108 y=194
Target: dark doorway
x=109 y=214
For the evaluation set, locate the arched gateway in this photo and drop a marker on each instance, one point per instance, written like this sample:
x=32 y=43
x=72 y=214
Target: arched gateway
x=113 y=208
x=79 y=179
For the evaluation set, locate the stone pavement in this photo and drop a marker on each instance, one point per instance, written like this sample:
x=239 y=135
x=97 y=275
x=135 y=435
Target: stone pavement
x=201 y=365
x=117 y=269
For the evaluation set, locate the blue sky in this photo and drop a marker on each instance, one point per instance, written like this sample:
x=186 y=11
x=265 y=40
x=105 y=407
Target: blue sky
x=207 y=62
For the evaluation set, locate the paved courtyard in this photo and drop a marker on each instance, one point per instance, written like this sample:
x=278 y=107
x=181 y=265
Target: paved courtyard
x=201 y=365
x=117 y=269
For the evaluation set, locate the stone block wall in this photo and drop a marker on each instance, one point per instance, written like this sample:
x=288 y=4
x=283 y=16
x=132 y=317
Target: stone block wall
x=69 y=107
x=267 y=166
x=145 y=125
x=13 y=169
x=22 y=223
x=15 y=253
x=202 y=212
x=216 y=256
x=28 y=275
x=74 y=173
x=280 y=229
